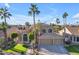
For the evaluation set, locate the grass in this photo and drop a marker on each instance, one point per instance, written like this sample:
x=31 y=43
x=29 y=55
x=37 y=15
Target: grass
x=73 y=49
x=9 y=51
x=19 y=48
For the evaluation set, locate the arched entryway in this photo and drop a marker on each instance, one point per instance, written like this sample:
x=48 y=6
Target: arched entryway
x=25 y=38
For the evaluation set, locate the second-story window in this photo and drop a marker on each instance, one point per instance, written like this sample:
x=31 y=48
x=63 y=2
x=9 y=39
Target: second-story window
x=49 y=30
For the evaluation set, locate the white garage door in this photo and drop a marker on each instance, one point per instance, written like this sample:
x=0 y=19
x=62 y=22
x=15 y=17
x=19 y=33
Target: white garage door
x=58 y=41
x=50 y=41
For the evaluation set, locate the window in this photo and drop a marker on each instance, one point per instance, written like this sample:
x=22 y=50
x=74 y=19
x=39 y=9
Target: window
x=25 y=38
x=49 y=30
x=44 y=31
x=77 y=39
x=71 y=38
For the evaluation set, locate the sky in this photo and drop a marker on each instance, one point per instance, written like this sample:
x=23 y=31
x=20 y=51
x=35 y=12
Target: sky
x=48 y=12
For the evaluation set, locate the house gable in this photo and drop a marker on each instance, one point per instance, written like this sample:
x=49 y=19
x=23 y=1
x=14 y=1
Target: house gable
x=67 y=31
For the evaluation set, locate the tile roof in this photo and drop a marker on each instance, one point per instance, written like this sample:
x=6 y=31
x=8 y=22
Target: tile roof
x=73 y=29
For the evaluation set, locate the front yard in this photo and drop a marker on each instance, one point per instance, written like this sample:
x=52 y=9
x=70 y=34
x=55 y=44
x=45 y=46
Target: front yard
x=73 y=49
x=19 y=48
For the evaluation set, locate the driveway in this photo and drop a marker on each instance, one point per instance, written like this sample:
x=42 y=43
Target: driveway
x=53 y=50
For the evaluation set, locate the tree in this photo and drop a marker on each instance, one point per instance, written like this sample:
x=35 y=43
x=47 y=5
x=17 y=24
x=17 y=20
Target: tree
x=31 y=36
x=57 y=21
x=34 y=11
x=27 y=24
x=64 y=17
x=56 y=28
x=4 y=14
x=14 y=35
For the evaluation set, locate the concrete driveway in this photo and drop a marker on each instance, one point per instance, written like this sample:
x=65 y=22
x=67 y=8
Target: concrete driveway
x=53 y=50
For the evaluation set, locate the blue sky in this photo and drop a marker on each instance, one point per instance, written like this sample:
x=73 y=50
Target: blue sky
x=48 y=12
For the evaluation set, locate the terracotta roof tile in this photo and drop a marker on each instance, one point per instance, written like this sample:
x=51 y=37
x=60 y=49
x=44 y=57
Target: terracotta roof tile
x=73 y=29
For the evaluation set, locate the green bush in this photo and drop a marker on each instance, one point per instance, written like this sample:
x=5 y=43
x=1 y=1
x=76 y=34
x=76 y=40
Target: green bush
x=14 y=35
x=1 y=40
x=31 y=36
x=25 y=46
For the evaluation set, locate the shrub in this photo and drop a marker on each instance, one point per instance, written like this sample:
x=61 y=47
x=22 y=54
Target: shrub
x=31 y=36
x=14 y=35
x=1 y=40
x=25 y=46
x=68 y=42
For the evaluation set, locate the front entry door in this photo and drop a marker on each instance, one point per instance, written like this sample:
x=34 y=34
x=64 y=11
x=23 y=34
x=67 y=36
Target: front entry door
x=25 y=38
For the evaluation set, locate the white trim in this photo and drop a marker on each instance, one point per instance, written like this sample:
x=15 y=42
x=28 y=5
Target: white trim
x=72 y=38
x=75 y=39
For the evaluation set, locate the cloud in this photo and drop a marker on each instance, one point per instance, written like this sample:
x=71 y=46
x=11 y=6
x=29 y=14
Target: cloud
x=76 y=16
x=21 y=19
x=18 y=19
x=53 y=10
x=7 y=5
x=53 y=21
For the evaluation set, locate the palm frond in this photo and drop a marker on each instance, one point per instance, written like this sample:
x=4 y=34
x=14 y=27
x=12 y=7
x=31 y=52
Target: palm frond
x=5 y=9
x=4 y=13
x=9 y=14
x=37 y=12
x=65 y=15
x=33 y=5
x=30 y=13
x=2 y=17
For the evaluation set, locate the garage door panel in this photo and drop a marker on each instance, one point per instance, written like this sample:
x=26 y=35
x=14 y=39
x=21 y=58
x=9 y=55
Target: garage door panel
x=50 y=41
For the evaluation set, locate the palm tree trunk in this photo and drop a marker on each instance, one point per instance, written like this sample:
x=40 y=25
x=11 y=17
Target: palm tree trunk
x=35 y=37
x=64 y=27
x=5 y=31
x=34 y=34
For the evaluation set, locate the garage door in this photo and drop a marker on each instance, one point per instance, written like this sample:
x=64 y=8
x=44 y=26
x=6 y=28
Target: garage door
x=45 y=41
x=50 y=41
x=57 y=41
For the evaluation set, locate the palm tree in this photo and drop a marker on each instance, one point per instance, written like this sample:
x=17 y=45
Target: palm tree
x=34 y=11
x=27 y=24
x=64 y=17
x=57 y=21
x=4 y=14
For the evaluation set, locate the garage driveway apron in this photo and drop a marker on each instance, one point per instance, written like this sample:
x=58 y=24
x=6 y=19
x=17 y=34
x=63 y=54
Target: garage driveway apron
x=53 y=49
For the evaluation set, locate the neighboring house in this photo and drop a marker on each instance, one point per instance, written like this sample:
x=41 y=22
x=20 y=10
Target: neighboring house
x=48 y=36
x=72 y=33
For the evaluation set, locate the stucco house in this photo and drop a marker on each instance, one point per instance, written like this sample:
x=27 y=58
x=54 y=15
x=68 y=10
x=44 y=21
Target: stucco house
x=72 y=33
x=21 y=30
x=48 y=36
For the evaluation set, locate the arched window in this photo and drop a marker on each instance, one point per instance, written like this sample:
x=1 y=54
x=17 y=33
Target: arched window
x=25 y=37
x=49 y=30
